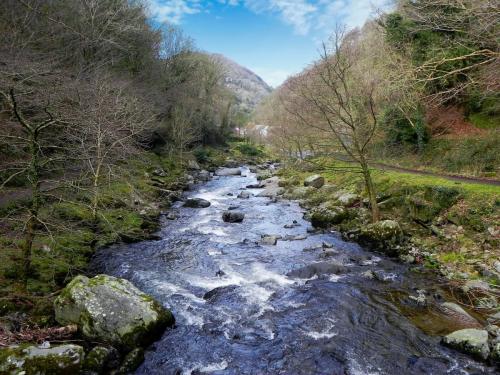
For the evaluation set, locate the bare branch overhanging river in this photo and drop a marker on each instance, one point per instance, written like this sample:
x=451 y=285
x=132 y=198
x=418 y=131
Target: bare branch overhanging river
x=293 y=308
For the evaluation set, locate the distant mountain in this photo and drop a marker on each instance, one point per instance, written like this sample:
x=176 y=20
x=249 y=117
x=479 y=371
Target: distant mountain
x=248 y=87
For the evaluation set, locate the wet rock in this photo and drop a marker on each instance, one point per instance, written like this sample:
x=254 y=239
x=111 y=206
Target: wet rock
x=383 y=235
x=459 y=315
x=318 y=269
x=368 y=275
x=244 y=195
x=101 y=358
x=470 y=341
x=228 y=172
x=97 y=306
x=325 y=216
x=216 y=293
x=204 y=176
x=258 y=185
x=291 y=237
x=269 y=239
x=196 y=203
x=132 y=361
x=220 y=273
x=271 y=192
x=233 y=216
x=315 y=181
x=57 y=360
x=233 y=207
x=171 y=216
x=311 y=230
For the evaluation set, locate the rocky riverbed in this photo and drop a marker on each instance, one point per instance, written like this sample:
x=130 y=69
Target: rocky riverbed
x=266 y=293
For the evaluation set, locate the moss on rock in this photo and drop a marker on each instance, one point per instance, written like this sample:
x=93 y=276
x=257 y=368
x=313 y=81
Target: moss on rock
x=112 y=310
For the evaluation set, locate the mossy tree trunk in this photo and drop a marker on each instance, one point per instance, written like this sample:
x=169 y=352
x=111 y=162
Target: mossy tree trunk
x=33 y=172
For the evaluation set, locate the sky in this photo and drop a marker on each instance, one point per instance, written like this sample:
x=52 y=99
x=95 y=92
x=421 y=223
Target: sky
x=273 y=38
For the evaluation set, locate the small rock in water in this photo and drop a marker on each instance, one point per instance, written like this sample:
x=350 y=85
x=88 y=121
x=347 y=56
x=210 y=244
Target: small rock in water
x=132 y=361
x=244 y=195
x=220 y=273
x=229 y=194
x=368 y=275
x=171 y=216
x=233 y=216
x=258 y=185
x=269 y=239
x=196 y=203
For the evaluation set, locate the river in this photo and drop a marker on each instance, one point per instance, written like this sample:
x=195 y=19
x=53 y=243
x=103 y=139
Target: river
x=294 y=308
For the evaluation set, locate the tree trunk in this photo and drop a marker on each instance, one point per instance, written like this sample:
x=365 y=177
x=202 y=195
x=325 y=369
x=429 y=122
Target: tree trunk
x=370 y=190
x=34 y=178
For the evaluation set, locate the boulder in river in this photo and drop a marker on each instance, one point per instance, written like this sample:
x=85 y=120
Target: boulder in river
x=196 y=203
x=471 y=341
x=316 y=181
x=228 y=172
x=267 y=239
x=323 y=216
x=57 y=360
x=318 y=269
x=232 y=216
x=112 y=310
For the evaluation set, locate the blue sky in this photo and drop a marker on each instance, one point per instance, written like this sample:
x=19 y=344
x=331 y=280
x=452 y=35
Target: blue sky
x=273 y=38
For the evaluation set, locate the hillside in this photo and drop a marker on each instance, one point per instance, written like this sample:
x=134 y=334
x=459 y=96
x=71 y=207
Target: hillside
x=249 y=88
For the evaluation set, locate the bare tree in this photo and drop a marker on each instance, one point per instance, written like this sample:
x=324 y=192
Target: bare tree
x=343 y=95
x=106 y=131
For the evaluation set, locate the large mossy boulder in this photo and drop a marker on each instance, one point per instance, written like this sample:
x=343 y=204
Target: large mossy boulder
x=425 y=205
x=384 y=235
x=33 y=360
x=315 y=181
x=325 y=216
x=470 y=341
x=112 y=310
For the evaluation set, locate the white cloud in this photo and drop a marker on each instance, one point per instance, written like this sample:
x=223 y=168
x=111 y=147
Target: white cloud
x=302 y=15
x=273 y=77
x=173 y=11
x=352 y=13
x=297 y=13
